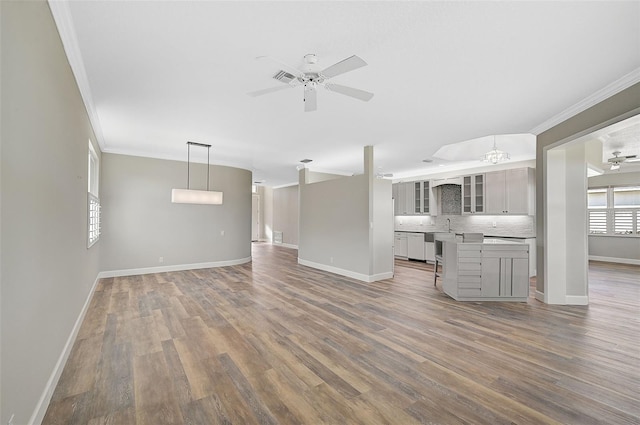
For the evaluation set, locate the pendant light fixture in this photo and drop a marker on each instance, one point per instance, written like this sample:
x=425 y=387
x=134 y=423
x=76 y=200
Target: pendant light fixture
x=494 y=156
x=190 y=196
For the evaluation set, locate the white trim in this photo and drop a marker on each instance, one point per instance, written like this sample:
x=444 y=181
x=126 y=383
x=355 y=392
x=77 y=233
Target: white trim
x=174 y=268
x=64 y=22
x=540 y=296
x=43 y=403
x=576 y=300
x=285 y=245
x=616 y=87
x=615 y=260
x=347 y=273
x=286 y=185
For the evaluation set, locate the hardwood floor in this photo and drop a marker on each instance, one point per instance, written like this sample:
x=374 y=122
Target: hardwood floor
x=273 y=342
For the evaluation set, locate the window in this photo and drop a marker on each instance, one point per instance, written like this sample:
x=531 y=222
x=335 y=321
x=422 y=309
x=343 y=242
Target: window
x=597 y=198
x=93 y=203
x=626 y=197
x=614 y=211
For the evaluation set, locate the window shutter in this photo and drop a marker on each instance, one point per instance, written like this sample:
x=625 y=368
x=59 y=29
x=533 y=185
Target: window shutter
x=623 y=222
x=598 y=221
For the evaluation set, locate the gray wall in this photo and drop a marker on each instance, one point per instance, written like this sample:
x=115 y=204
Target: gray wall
x=383 y=223
x=615 y=179
x=140 y=224
x=614 y=109
x=47 y=271
x=334 y=223
x=285 y=213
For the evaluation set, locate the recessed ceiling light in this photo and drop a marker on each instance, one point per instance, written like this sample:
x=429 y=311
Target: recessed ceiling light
x=306 y=161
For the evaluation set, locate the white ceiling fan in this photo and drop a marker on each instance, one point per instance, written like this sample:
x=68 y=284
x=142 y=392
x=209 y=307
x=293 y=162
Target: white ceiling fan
x=312 y=76
x=617 y=160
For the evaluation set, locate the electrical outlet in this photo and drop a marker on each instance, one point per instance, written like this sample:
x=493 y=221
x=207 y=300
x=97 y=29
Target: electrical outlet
x=495 y=224
x=161 y=260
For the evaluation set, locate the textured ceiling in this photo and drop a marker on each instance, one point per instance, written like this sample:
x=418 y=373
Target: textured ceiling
x=160 y=73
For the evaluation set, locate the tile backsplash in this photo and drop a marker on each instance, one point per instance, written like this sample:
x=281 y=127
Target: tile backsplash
x=451 y=199
x=505 y=225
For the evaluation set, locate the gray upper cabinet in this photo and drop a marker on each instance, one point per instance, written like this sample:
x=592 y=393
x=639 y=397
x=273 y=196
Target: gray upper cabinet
x=413 y=198
x=473 y=193
x=510 y=191
x=422 y=198
x=403 y=196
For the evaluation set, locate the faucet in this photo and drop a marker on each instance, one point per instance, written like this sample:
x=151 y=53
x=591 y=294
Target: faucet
x=449 y=225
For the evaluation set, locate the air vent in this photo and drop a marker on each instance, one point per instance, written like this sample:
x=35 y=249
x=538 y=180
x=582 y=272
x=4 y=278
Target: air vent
x=285 y=77
x=306 y=161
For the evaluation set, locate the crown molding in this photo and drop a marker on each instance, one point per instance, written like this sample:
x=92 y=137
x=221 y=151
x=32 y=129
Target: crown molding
x=64 y=22
x=616 y=87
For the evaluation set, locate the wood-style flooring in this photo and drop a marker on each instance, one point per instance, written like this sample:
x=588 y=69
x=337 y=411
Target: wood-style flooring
x=273 y=342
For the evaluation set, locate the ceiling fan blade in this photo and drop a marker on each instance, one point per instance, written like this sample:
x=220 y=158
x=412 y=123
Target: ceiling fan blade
x=310 y=99
x=286 y=67
x=350 y=91
x=346 y=65
x=269 y=90
x=630 y=156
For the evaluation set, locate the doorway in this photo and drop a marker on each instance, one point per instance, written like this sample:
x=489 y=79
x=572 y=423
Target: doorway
x=255 y=217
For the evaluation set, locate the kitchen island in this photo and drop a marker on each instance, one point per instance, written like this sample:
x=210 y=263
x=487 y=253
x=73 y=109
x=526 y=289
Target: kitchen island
x=495 y=270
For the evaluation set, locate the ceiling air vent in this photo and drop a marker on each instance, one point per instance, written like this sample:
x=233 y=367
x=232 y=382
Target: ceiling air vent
x=285 y=77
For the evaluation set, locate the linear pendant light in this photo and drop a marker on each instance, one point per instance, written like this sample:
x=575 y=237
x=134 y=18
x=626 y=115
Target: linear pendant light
x=190 y=196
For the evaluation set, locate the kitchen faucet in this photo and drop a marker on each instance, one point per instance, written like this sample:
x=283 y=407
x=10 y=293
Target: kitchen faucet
x=449 y=225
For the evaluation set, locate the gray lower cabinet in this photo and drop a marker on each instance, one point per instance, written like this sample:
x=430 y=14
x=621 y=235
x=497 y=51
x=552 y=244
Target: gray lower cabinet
x=505 y=276
x=415 y=246
x=486 y=271
x=400 y=245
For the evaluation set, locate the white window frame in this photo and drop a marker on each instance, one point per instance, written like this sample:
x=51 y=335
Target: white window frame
x=93 y=201
x=611 y=215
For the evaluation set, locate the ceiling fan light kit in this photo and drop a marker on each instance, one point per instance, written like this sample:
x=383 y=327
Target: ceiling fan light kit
x=191 y=196
x=311 y=77
x=617 y=160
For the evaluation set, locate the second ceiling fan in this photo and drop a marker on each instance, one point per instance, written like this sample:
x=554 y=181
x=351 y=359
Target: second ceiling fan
x=311 y=77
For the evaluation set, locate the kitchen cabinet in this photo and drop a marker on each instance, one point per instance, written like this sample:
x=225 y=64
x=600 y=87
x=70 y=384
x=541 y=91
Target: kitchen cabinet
x=415 y=246
x=403 y=198
x=430 y=252
x=505 y=274
x=496 y=271
x=413 y=198
x=473 y=193
x=422 y=198
x=510 y=191
x=420 y=204
x=400 y=245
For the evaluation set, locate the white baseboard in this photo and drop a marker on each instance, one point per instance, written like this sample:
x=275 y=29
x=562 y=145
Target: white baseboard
x=568 y=299
x=45 y=398
x=615 y=260
x=286 y=245
x=174 y=268
x=576 y=300
x=347 y=273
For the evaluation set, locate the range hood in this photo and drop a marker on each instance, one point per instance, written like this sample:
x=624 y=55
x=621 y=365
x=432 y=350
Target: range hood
x=451 y=180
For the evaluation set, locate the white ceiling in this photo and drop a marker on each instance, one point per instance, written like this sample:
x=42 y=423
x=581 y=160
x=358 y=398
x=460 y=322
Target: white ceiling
x=156 y=74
